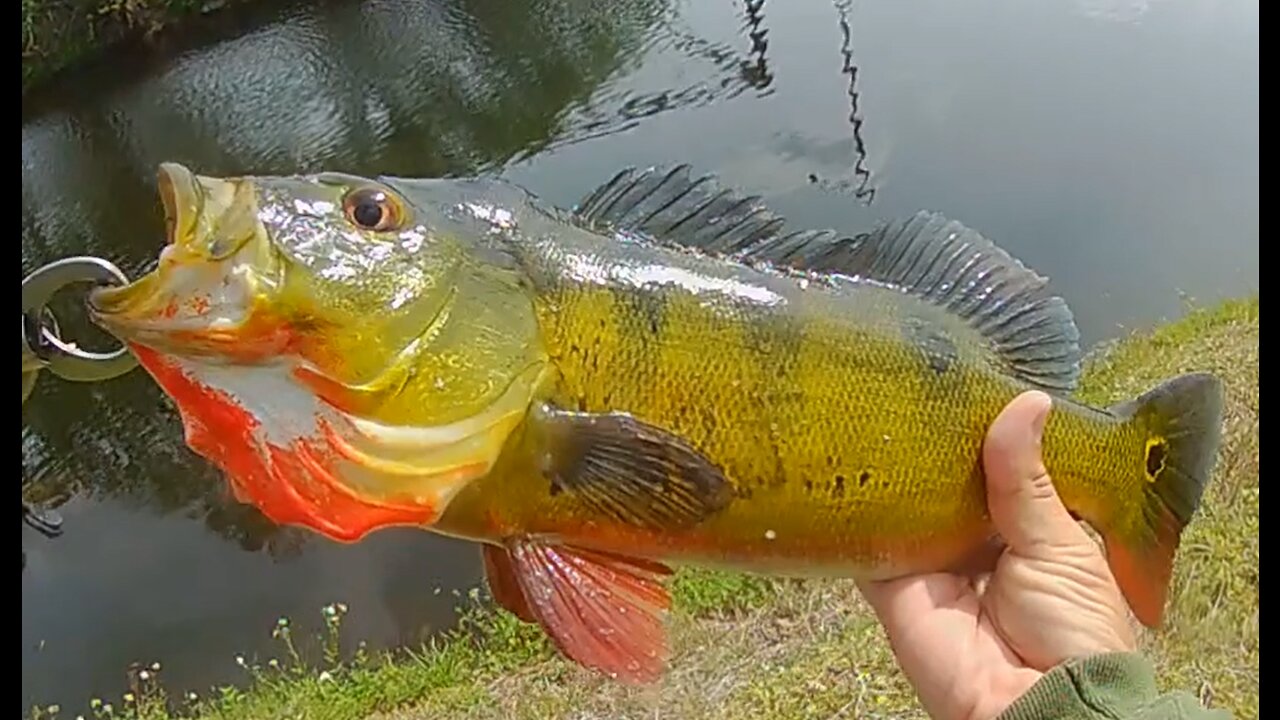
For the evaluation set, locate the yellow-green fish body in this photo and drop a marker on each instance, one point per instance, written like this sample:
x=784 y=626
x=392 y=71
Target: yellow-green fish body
x=664 y=375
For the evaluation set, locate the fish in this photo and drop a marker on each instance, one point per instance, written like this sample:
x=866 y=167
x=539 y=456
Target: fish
x=664 y=374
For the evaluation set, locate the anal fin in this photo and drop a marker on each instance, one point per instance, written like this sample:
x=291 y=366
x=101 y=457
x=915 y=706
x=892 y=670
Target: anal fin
x=501 y=574
x=603 y=611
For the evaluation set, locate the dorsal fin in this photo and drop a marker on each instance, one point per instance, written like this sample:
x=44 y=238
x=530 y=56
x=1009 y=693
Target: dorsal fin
x=671 y=207
x=938 y=260
x=956 y=268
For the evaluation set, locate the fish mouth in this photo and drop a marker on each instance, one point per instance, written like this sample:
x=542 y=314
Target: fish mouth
x=182 y=200
x=210 y=270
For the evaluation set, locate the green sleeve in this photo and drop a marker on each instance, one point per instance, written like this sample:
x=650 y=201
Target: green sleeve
x=1112 y=686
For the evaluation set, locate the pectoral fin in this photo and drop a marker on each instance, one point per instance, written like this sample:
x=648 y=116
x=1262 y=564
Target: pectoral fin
x=603 y=611
x=630 y=470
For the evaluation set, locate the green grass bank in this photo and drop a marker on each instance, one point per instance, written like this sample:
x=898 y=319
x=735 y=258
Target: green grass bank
x=747 y=648
x=57 y=34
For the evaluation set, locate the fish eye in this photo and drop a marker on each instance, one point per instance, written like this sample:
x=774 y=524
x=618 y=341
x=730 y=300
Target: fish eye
x=372 y=209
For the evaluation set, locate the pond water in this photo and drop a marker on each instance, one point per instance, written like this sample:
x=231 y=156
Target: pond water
x=1110 y=144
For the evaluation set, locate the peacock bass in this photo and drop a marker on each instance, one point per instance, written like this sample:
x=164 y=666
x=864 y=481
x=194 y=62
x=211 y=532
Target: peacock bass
x=666 y=374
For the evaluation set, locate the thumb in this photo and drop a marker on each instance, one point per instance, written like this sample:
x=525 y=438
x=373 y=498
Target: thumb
x=1024 y=505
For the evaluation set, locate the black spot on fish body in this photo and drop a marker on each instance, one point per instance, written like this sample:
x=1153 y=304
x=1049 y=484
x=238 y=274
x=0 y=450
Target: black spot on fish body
x=863 y=478
x=775 y=340
x=779 y=468
x=641 y=315
x=646 y=306
x=931 y=341
x=839 y=486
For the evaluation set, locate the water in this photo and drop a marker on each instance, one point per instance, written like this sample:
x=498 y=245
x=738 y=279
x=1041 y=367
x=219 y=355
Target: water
x=1111 y=145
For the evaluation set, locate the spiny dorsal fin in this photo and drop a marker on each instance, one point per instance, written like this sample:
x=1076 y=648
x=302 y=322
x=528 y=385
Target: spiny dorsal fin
x=936 y=259
x=671 y=207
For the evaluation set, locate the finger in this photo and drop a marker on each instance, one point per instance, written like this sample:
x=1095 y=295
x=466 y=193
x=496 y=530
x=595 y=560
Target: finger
x=1023 y=503
x=900 y=603
x=932 y=625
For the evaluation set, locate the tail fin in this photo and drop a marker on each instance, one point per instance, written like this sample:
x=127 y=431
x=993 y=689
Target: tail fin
x=1181 y=424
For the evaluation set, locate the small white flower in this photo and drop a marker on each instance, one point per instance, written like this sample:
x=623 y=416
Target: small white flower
x=240 y=660
x=128 y=697
x=325 y=676
x=144 y=675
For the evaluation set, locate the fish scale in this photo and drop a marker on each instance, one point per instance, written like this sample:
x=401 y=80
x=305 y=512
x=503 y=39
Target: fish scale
x=806 y=378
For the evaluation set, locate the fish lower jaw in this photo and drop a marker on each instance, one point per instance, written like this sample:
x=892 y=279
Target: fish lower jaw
x=187 y=301
x=158 y=333
x=224 y=309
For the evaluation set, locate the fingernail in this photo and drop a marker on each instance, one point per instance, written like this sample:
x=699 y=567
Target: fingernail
x=1041 y=418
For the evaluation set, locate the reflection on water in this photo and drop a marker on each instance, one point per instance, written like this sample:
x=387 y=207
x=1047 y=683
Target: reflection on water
x=1111 y=146
x=861 y=186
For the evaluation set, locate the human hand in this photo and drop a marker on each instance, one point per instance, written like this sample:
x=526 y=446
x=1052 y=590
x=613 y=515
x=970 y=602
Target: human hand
x=972 y=644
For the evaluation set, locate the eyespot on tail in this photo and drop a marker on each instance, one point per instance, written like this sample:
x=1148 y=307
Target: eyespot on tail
x=1181 y=422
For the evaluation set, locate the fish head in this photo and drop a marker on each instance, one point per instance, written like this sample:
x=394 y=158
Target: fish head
x=348 y=353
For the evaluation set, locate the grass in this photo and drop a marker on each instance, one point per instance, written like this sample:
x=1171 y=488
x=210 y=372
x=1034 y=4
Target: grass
x=747 y=647
x=1210 y=646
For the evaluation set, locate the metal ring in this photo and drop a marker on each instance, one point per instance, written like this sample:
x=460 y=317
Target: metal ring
x=62 y=358
x=34 y=354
